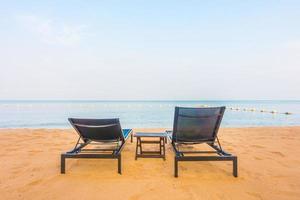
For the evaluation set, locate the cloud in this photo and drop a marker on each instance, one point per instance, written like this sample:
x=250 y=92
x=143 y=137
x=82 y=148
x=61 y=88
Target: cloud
x=52 y=32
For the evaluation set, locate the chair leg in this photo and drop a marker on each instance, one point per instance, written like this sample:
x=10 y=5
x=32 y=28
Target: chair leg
x=62 y=164
x=175 y=167
x=235 y=167
x=119 y=164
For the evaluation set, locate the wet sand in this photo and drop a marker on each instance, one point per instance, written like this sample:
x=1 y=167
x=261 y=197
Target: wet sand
x=269 y=168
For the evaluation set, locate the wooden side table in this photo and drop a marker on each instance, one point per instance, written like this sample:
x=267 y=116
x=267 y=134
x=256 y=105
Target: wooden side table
x=140 y=153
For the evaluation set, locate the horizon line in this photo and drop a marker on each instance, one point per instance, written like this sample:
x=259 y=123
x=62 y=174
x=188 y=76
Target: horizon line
x=132 y=100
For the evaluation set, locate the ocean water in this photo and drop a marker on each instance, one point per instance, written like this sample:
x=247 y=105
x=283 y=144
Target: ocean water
x=141 y=114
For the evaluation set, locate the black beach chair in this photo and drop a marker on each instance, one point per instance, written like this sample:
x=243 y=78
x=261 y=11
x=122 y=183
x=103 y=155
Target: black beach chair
x=106 y=133
x=196 y=126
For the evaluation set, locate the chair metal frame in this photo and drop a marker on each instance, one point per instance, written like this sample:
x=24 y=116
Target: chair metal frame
x=79 y=150
x=214 y=143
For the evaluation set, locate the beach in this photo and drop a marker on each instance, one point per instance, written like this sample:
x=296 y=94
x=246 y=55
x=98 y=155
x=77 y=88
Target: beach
x=268 y=164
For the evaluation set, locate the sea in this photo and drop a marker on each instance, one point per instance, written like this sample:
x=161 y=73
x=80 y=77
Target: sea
x=144 y=114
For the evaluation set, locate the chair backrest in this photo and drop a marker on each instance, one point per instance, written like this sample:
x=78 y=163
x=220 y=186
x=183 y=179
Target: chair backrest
x=98 y=129
x=196 y=125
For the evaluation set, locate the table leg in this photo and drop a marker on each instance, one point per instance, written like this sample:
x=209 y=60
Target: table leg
x=141 y=150
x=136 y=149
x=160 y=146
x=164 y=147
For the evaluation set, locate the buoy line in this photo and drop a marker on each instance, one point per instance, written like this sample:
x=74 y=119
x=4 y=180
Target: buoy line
x=259 y=110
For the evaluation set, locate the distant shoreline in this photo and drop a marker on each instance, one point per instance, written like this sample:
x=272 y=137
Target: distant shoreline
x=90 y=100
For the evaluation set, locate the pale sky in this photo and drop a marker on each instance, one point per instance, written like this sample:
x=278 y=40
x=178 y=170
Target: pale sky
x=150 y=50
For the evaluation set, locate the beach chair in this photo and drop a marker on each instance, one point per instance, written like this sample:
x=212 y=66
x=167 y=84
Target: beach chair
x=195 y=126
x=104 y=134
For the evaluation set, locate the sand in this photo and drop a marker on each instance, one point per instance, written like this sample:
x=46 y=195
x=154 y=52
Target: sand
x=269 y=168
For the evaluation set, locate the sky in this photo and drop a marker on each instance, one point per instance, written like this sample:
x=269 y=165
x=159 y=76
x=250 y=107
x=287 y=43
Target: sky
x=150 y=50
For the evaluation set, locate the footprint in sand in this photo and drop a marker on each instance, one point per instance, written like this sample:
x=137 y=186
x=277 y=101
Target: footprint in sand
x=56 y=149
x=12 y=149
x=278 y=153
x=35 y=182
x=16 y=171
x=35 y=151
x=257 y=146
x=257 y=158
x=36 y=169
x=141 y=194
x=256 y=195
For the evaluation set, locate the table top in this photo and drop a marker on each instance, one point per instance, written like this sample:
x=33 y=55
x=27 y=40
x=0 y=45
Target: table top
x=152 y=134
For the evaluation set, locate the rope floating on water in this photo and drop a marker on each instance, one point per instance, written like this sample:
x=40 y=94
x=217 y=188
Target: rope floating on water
x=261 y=110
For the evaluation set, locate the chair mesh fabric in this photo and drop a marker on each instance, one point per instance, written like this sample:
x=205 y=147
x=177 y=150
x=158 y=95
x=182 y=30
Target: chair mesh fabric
x=98 y=129
x=196 y=124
